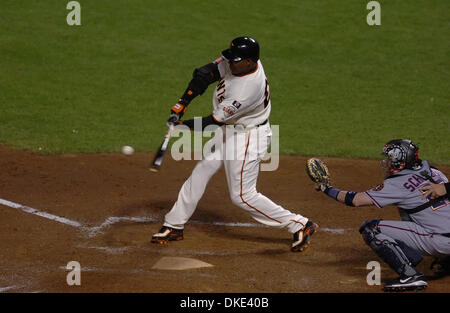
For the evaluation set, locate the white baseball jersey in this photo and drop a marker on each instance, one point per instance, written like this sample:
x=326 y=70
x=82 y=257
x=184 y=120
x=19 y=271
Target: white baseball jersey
x=241 y=100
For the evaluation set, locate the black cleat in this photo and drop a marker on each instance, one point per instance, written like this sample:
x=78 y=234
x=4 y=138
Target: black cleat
x=167 y=234
x=407 y=283
x=303 y=237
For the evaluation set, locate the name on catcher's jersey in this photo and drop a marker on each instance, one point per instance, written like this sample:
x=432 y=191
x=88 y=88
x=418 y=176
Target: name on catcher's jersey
x=241 y=100
x=402 y=190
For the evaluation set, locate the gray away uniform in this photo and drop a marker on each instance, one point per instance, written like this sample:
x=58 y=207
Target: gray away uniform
x=427 y=232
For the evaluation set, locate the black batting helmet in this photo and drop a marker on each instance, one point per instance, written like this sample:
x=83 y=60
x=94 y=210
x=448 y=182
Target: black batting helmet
x=242 y=48
x=403 y=153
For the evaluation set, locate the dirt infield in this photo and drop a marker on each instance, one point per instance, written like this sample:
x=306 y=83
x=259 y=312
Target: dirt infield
x=105 y=207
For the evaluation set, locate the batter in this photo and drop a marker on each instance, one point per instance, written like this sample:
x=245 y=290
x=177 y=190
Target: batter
x=241 y=103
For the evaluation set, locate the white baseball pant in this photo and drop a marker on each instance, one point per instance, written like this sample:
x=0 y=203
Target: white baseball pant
x=241 y=152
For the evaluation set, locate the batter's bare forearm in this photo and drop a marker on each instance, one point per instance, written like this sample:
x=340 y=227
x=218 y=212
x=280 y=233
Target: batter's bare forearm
x=205 y=121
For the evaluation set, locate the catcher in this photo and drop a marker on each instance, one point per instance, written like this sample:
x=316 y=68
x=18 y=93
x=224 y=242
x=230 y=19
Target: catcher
x=425 y=226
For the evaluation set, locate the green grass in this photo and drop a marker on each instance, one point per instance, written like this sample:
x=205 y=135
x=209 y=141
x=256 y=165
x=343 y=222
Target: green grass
x=338 y=86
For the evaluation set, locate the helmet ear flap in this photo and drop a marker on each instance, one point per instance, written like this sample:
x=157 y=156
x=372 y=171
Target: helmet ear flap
x=412 y=158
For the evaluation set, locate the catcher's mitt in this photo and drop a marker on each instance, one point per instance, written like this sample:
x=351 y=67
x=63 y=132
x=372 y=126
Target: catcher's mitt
x=317 y=170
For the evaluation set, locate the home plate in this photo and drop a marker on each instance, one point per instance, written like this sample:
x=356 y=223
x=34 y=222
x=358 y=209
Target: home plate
x=178 y=263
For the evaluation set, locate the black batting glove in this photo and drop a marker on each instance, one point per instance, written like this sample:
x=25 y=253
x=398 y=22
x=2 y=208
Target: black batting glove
x=174 y=120
x=176 y=112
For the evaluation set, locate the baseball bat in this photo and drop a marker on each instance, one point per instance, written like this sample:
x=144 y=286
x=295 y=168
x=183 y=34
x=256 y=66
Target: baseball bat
x=157 y=161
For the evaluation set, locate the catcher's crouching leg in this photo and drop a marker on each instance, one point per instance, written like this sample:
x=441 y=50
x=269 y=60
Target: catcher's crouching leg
x=400 y=257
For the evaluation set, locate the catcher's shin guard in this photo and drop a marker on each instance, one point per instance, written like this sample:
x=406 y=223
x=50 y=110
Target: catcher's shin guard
x=400 y=257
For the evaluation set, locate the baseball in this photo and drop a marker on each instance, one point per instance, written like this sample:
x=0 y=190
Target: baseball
x=127 y=150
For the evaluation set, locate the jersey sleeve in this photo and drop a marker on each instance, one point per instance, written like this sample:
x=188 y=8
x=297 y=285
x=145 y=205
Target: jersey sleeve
x=385 y=194
x=438 y=176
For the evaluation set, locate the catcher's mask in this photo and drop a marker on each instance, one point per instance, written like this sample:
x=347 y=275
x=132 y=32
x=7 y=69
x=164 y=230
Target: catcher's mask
x=400 y=154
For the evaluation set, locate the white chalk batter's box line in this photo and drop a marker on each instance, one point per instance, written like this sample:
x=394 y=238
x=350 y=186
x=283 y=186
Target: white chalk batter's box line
x=92 y=231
